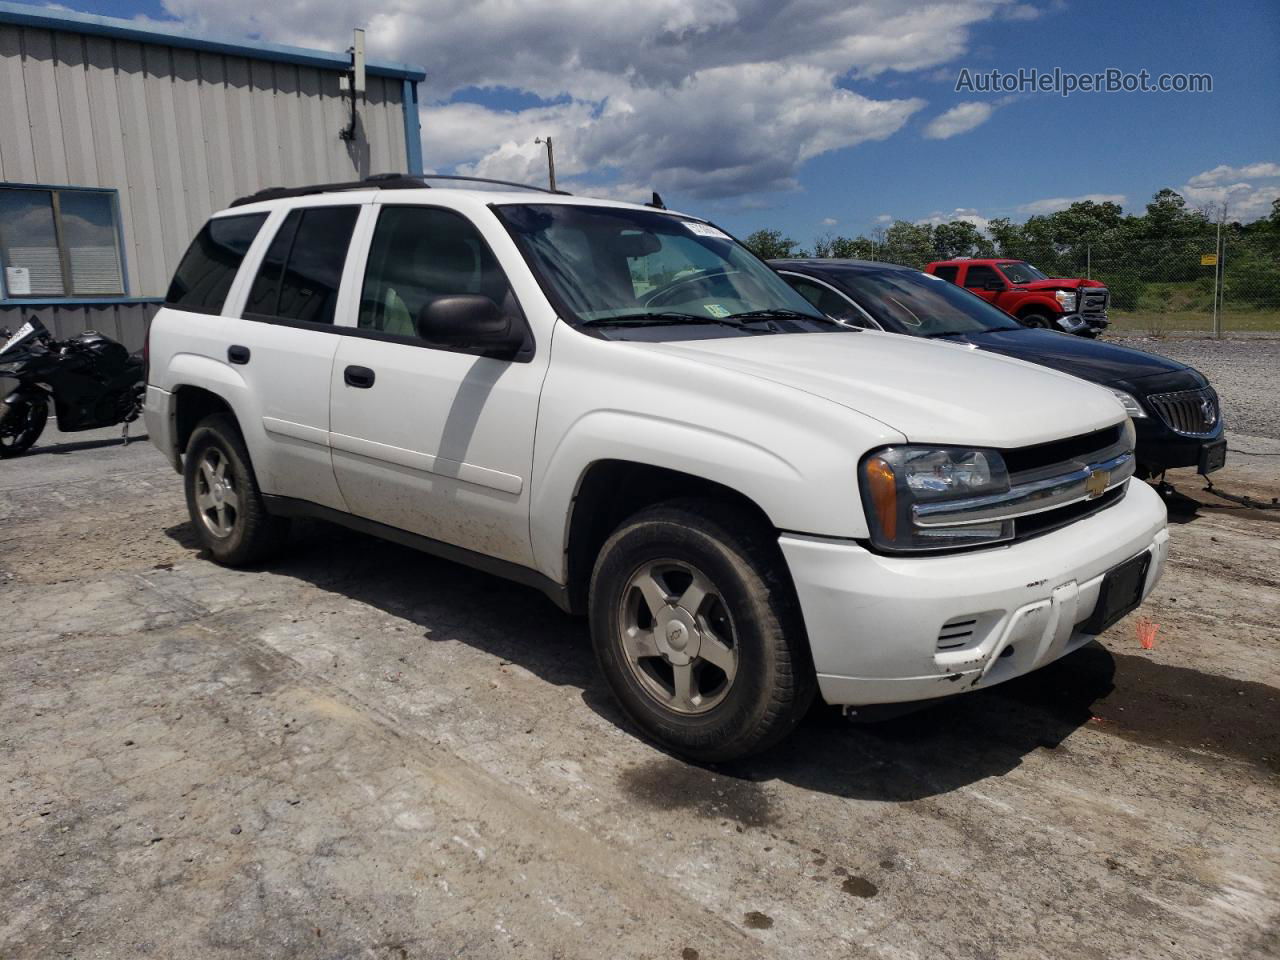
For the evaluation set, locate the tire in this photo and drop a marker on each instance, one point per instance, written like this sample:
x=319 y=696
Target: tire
x=1037 y=321
x=742 y=648
x=223 y=498
x=21 y=424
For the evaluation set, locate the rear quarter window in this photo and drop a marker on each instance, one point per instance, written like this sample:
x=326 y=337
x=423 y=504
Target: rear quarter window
x=210 y=264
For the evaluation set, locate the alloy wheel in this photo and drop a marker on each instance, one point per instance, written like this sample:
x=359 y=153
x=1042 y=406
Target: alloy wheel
x=677 y=636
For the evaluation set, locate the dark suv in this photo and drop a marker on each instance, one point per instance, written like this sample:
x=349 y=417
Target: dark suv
x=1173 y=406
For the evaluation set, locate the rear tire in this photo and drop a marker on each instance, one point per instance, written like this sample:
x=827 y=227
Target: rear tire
x=21 y=424
x=697 y=631
x=223 y=498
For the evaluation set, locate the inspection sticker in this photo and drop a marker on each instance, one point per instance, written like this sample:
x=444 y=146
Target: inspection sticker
x=705 y=230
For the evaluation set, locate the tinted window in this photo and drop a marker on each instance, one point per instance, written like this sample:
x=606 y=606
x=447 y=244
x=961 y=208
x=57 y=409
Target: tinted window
x=302 y=269
x=204 y=276
x=977 y=276
x=915 y=302
x=420 y=254
x=827 y=300
x=946 y=273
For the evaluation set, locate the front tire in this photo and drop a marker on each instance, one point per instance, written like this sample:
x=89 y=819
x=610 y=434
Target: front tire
x=1036 y=321
x=21 y=424
x=697 y=631
x=223 y=498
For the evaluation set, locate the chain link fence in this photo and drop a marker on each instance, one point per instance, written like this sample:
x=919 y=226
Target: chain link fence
x=1186 y=286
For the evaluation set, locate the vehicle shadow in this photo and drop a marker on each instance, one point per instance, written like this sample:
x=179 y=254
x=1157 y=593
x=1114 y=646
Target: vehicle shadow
x=74 y=446
x=945 y=746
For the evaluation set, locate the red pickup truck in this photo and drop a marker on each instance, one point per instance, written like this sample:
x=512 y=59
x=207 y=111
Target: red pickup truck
x=1072 y=305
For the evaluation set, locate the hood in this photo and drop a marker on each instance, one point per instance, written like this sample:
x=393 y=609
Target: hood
x=1061 y=283
x=1066 y=283
x=1093 y=360
x=929 y=391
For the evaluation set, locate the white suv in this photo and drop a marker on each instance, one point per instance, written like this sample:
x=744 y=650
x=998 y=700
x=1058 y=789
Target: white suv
x=622 y=406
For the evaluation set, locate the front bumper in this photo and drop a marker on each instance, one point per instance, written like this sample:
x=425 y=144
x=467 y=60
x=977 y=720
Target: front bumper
x=158 y=414
x=1159 y=448
x=884 y=629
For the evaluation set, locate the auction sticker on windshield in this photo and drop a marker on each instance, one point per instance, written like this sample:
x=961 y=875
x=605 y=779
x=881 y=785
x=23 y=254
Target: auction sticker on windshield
x=705 y=230
x=716 y=309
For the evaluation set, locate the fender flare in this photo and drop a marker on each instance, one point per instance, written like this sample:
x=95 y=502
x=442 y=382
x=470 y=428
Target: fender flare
x=28 y=393
x=1040 y=303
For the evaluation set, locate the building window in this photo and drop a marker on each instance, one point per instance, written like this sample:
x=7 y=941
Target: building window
x=61 y=242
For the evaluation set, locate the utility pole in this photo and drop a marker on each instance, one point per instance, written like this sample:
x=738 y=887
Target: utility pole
x=551 y=160
x=1217 y=277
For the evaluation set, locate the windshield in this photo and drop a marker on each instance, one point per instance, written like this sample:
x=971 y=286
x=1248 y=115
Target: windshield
x=1022 y=272
x=621 y=267
x=923 y=305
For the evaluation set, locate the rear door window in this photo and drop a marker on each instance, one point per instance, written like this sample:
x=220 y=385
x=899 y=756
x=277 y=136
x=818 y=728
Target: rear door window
x=302 y=269
x=977 y=275
x=204 y=276
x=946 y=273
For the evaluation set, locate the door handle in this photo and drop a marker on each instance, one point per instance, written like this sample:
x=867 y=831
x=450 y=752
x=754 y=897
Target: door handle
x=361 y=377
x=237 y=353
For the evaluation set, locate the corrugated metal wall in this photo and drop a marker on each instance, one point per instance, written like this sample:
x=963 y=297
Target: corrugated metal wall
x=180 y=133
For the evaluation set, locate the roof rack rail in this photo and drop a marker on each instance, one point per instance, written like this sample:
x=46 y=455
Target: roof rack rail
x=504 y=183
x=378 y=181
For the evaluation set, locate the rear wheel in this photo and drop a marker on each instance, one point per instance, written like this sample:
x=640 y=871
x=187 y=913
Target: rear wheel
x=696 y=629
x=21 y=424
x=223 y=497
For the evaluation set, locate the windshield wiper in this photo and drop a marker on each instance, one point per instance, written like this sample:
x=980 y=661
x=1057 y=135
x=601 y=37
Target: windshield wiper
x=774 y=313
x=656 y=318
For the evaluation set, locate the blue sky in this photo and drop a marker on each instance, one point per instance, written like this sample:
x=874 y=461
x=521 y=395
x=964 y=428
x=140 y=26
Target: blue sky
x=743 y=111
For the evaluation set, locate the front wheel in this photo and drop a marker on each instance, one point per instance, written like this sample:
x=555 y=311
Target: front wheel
x=1036 y=321
x=21 y=424
x=697 y=631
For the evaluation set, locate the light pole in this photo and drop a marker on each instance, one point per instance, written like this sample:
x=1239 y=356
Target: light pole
x=551 y=160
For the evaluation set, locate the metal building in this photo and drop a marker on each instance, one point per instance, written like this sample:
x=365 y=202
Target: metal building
x=118 y=140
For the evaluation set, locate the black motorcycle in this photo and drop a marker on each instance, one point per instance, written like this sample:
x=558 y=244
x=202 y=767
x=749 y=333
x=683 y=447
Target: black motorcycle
x=93 y=382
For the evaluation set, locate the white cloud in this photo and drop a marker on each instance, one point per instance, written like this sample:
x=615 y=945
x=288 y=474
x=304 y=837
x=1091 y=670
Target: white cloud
x=1054 y=204
x=961 y=118
x=829 y=221
x=967 y=214
x=1245 y=200
x=884 y=218
x=710 y=97
x=1222 y=172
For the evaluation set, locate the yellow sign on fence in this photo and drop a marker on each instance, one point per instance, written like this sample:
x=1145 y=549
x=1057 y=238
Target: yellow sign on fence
x=1208 y=259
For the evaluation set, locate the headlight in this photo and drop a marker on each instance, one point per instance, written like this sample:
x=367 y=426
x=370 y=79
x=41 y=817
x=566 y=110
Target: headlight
x=896 y=479
x=1130 y=403
x=1066 y=300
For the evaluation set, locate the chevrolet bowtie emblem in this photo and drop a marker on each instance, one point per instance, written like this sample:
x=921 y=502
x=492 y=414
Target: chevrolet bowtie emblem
x=1097 y=483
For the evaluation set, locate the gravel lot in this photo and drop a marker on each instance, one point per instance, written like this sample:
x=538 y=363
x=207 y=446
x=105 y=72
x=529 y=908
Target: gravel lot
x=366 y=752
x=1246 y=374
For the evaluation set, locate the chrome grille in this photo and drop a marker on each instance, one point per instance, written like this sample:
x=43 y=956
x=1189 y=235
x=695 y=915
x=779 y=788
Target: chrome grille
x=1193 y=413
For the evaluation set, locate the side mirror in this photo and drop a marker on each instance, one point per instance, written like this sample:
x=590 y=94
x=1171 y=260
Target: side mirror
x=993 y=285
x=469 y=320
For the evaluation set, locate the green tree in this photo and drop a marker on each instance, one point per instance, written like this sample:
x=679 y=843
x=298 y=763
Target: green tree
x=910 y=244
x=831 y=247
x=772 y=245
x=960 y=238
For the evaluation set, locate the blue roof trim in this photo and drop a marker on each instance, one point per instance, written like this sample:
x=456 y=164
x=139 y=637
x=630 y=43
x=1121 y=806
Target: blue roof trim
x=45 y=18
